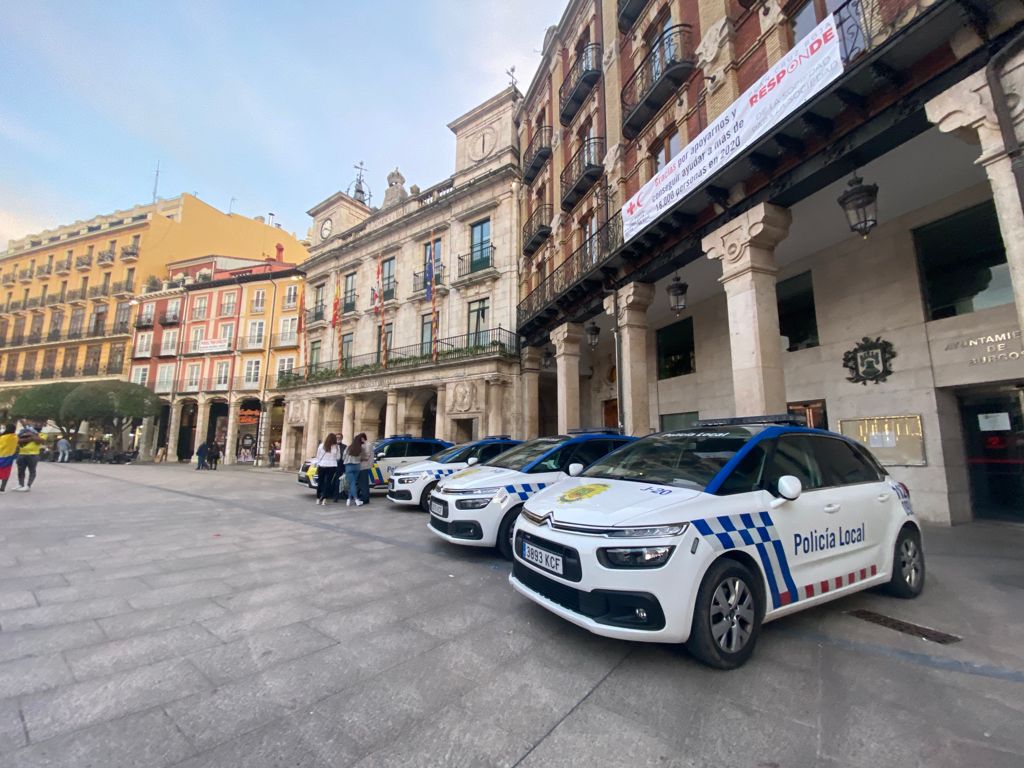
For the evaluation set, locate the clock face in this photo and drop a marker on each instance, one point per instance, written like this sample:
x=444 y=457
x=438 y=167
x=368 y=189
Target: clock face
x=481 y=144
x=325 y=229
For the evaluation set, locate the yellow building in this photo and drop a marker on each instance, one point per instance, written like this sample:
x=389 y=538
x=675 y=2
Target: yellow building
x=67 y=295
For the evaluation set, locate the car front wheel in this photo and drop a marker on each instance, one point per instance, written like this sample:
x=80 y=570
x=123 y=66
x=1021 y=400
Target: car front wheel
x=425 y=497
x=727 y=616
x=907 y=565
x=506 y=531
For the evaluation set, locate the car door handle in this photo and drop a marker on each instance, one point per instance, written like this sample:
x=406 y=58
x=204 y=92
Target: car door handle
x=831 y=508
x=883 y=497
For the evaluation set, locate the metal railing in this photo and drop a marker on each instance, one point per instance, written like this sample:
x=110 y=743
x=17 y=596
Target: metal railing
x=537 y=228
x=170 y=318
x=14 y=306
x=315 y=314
x=389 y=286
x=537 y=153
x=863 y=25
x=582 y=74
x=348 y=302
x=83 y=262
x=34 y=302
x=144 y=321
x=284 y=340
x=122 y=287
x=480 y=258
x=9 y=278
x=44 y=271
x=26 y=274
x=76 y=294
x=419 y=279
x=227 y=309
x=62 y=267
x=99 y=291
x=484 y=343
x=582 y=170
x=53 y=298
x=252 y=342
x=665 y=67
x=586 y=259
x=106 y=258
x=129 y=252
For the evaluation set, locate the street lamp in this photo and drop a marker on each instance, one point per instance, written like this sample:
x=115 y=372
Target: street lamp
x=677 y=295
x=593 y=335
x=860 y=203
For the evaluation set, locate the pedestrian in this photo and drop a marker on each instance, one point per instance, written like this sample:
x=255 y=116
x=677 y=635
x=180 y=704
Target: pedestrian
x=353 y=458
x=366 y=461
x=63 y=450
x=327 y=456
x=213 y=456
x=201 y=453
x=29 y=444
x=8 y=452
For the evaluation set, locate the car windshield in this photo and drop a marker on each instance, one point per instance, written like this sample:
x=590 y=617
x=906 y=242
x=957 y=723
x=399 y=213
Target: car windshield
x=521 y=455
x=455 y=453
x=686 y=459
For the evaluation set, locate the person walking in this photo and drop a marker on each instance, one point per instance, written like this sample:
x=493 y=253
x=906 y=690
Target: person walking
x=213 y=456
x=8 y=452
x=353 y=459
x=29 y=444
x=366 y=459
x=201 y=453
x=63 y=450
x=327 y=456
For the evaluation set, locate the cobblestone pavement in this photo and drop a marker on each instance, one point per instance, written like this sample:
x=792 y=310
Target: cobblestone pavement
x=155 y=616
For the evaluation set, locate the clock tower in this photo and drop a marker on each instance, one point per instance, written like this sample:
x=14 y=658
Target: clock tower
x=485 y=137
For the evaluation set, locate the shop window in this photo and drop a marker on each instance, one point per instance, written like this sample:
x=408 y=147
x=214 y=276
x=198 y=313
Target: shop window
x=672 y=421
x=798 y=323
x=962 y=263
x=676 y=352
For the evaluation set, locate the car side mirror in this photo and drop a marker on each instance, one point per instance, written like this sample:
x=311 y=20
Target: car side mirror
x=789 y=489
x=473 y=460
x=575 y=468
x=380 y=455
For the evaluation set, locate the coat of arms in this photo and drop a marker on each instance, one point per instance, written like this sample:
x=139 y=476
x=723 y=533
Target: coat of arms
x=869 y=361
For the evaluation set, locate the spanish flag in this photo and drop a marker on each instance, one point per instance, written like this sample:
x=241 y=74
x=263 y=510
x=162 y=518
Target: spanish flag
x=8 y=449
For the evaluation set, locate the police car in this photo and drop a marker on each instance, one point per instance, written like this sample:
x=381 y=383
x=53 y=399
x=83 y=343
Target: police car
x=700 y=535
x=479 y=505
x=390 y=454
x=413 y=483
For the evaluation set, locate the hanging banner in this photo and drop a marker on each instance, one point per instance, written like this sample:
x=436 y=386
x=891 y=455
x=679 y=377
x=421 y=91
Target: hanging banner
x=797 y=77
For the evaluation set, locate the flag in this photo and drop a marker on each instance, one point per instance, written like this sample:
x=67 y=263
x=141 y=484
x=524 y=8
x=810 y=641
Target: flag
x=298 y=329
x=336 y=312
x=435 y=256
x=378 y=289
x=428 y=272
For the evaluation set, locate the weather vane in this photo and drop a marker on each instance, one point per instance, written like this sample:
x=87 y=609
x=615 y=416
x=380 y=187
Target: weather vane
x=511 y=72
x=360 y=190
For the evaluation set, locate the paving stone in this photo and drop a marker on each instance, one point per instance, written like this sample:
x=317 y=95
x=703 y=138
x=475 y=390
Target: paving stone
x=233 y=625
x=27 y=642
x=76 y=706
x=156 y=598
x=139 y=650
x=252 y=653
x=33 y=673
x=10 y=601
x=90 y=590
x=143 y=740
x=48 y=615
x=155 y=619
x=12 y=732
x=19 y=583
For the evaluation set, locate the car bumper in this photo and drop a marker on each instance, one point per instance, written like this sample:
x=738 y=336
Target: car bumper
x=472 y=527
x=409 y=493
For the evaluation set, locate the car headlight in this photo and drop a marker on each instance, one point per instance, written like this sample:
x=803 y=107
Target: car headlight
x=472 y=503
x=651 y=532
x=406 y=479
x=634 y=557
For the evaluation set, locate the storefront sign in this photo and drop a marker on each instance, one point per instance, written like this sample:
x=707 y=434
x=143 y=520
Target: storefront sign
x=869 y=361
x=248 y=417
x=990 y=348
x=213 y=345
x=804 y=72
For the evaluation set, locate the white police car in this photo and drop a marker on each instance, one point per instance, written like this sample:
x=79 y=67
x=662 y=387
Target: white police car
x=413 y=483
x=479 y=505
x=701 y=535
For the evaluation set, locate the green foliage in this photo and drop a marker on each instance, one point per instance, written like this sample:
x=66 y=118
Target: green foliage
x=46 y=403
x=111 y=403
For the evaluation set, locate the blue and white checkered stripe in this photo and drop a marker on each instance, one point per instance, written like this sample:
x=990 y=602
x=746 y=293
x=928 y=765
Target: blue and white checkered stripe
x=525 y=490
x=437 y=474
x=754 y=530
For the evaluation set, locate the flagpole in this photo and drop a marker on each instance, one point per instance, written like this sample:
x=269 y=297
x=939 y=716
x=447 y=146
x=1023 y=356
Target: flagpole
x=433 y=297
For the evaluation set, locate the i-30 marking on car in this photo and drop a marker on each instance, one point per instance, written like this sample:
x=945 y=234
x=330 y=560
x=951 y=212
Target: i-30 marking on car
x=413 y=483
x=478 y=506
x=701 y=535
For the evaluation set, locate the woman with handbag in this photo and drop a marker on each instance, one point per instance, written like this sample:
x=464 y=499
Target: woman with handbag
x=327 y=456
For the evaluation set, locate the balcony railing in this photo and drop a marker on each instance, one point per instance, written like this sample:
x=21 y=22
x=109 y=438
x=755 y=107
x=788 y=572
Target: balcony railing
x=99 y=292
x=243 y=384
x=53 y=298
x=629 y=12
x=9 y=278
x=17 y=339
x=389 y=286
x=537 y=153
x=44 y=271
x=228 y=310
x=144 y=321
x=34 y=302
x=170 y=318
x=83 y=262
x=582 y=74
x=477 y=260
x=582 y=172
x=567 y=276
x=258 y=308
x=666 y=66
x=198 y=313
x=129 y=252
x=53 y=335
x=14 y=306
x=315 y=314
x=252 y=342
x=115 y=366
x=142 y=352
x=348 y=302
x=123 y=288
x=25 y=275
x=75 y=295
x=537 y=229
x=280 y=340
x=419 y=279
x=62 y=267
x=47 y=372
x=34 y=337
x=484 y=343
x=91 y=368
x=106 y=258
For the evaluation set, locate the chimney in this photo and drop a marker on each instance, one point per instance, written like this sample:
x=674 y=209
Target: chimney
x=280 y=252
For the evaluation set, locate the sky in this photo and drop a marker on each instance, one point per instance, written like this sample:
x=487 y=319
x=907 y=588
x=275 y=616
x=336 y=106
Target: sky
x=257 y=107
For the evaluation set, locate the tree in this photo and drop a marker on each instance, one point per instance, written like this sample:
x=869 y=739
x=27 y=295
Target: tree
x=114 y=404
x=45 y=403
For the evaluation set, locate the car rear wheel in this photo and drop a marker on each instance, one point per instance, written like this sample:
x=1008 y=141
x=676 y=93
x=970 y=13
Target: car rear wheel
x=425 y=497
x=507 y=530
x=727 y=616
x=907 y=565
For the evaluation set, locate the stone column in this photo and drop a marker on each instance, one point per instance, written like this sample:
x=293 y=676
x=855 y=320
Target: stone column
x=966 y=110
x=530 y=427
x=311 y=431
x=441 y=421
x=566 y=339
x=202 y=422
x=231 y=437
x=746 y=248
x=391 y=414
x=495 y=407
x=173 y=427
x=286 y=438
x=263 y=436
x=348 y=420
x=635 y=410
x=145 y=444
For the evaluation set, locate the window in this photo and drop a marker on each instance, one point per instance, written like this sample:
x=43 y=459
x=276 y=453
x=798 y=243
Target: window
x=746 y=476
x=192 y=376
x=685 y=420
x=478 y=321
x=252 y=371
x=221 y=373
x=140 y=373
x=147 y=311
x=395 y=450
x=227 y=331
x=228 y=303
x=590 y=451
x=314 y=355
x=387 y=272
x=289 y=329
x=143 y=344
x=169 y=342
x=285 y=365
x=291 y=296
x=962 y=263
x=121 y=316
x=198 y=334
x=50 y=361
x=173 y=306
x=70 y=362
x=318 y=297
x=77 y=322
x=346 y=348
x=480 y=245
x=349 y=297
x=676 y=352
x=794 y=455
x=842 y=463
x=199 y=308
x=665 y=150
x=809 y=15
x=427 y=334
x=255 y=333
x=164 y=378
x=259 y=299
x=798 y=322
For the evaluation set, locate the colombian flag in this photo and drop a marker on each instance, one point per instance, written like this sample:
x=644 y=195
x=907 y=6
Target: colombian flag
x=8 y=448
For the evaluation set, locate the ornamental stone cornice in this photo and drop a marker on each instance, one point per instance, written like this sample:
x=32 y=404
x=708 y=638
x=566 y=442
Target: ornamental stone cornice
x=747 y=243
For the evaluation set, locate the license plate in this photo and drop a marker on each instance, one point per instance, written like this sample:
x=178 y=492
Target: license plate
x=546 y=560
x=437 y=508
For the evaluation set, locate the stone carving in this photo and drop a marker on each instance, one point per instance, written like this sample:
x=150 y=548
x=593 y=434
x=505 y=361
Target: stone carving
x=463 y=395
x=395 y=193
x=610 y=53
x=716 y=41
x=869 y=361
x=748 y=241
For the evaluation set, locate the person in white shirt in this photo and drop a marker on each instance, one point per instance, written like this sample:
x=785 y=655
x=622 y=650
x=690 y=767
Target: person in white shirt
x=327 y=456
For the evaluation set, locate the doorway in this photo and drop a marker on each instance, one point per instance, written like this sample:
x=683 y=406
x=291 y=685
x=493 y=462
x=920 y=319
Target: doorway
x=610 y=409
x=813 y=412
x=993 y=425
x=464 y=430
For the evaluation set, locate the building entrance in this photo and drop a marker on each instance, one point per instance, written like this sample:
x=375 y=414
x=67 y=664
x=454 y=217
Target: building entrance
x=993 y=422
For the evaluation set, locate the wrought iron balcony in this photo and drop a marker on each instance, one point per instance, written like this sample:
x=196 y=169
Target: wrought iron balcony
x=665 y=67
x=83 y=262
x=25 y=275
x=537 y=229
x=9 y=278
x=123 y=288
x=121 y=327
x=348 y=302
x=115 y=366
x=129 y=253
x=582 y=172
x=47 y=372
x=106 y=258
x=91 y=368
x=99 y=292
x=250 y=343
x=62 y=267
x=579 y=80
x=629 y=12
x=34 y=302
x=34 y=337
x=537 y=153
x=74 y=334
x=53 y=335
x=53 y=298
x=44 y=271
x=284 y=340
x=14 y=306
x=170 y=318
x=76 y=295
x=144 y=321
x=390 y=288
x=315 y=314
x=477 y=260
x=419 y=279
x=17 y=339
